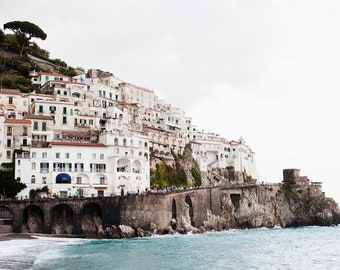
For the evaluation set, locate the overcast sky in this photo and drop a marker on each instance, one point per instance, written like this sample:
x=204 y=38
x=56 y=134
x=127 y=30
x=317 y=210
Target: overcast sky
x=264 y=70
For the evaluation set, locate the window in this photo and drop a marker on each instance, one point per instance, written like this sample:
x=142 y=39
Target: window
x=102 y=180
x=33 y=165
x=8 y=154
x=41 y=108
x=9 y=143
x=67 y=155
x=79 y=167
x=33 y=179
x=35 y=125
x=57 y=155
x=44 y=154
x=9 y=131
x=78 y=155
x=43 y=126
x=44 y=180
x=64 y=110
x=53 y=109
x=57 y=167
x=18 y=162
x=34 y=154
x=24 y=131
x=10 y=100
x=64 y=120
x=101 y=156
x=91 y=122
x=44 y=167
x=78 y=180
x=24 y=142
x=93 y=156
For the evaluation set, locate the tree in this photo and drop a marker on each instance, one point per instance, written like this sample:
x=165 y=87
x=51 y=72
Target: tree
x=9 y=187
x=2 y=36
x=24 y=32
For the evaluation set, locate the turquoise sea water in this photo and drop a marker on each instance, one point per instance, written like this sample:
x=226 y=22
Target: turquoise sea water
x=277 y=248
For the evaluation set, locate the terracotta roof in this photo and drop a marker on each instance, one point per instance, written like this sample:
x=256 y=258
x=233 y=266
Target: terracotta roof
x=53 y=74
x=41 y=117
x=17 y=121
x=126 y=104
x=79 y=135
x=65 y=82
x=78 y=144
x=10 y=91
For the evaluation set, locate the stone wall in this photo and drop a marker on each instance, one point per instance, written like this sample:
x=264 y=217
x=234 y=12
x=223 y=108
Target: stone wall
x=197 y=210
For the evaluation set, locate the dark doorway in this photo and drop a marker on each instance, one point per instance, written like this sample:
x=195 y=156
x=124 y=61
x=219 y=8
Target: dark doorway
x=174 y=210
x=91 y=218
x=62 y=219
x=191 y=210
x=32 y=219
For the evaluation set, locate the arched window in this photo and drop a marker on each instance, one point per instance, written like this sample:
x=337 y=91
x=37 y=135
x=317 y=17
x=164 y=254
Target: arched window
x=33 y=165
x=116 y=141
x=33 y=179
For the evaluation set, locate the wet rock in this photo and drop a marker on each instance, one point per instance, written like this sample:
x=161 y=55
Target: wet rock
x=126 y=231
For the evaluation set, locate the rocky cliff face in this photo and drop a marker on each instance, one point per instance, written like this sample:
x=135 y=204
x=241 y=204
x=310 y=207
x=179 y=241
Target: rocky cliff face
x=251 y=206
x=283 y=205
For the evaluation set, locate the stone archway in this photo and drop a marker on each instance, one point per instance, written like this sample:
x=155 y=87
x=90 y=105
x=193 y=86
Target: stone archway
x=6 y=219
x=91 y=218
x=32 y=220
x=62 y=219
x=191 y=210
x=174 y=209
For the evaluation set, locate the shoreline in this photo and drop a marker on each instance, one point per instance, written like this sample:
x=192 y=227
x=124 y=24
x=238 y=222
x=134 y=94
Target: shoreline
x=16 y=236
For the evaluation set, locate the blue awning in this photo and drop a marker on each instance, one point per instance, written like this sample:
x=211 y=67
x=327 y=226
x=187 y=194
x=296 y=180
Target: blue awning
x=63 y=178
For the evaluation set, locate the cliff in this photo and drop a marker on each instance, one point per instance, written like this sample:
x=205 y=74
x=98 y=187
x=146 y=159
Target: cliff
x=295 y=202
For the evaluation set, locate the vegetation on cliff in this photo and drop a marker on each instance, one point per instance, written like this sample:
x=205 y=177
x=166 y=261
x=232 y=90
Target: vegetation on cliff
x=185 y=172
x=15 y=60
x=24 y=31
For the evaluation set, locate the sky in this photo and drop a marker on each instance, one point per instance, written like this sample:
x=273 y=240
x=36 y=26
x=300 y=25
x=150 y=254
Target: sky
x=266 y=70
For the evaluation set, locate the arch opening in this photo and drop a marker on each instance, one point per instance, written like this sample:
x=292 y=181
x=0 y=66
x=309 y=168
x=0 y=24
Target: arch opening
x=91 y=218
x=62 y=219
x=32 y=220
x=191 y=210
x=6 y=219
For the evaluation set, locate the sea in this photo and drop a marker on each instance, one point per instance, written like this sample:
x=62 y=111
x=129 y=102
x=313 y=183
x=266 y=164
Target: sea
x=264 y=248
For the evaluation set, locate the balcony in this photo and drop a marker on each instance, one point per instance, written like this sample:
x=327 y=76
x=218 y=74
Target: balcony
x=23 y=155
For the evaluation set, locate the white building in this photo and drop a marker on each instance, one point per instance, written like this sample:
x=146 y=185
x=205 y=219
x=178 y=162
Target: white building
x=211 y=151
x=118 y=164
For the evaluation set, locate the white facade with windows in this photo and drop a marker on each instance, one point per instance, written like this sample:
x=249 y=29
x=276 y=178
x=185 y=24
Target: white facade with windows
x=121 y=165
x=210 y=151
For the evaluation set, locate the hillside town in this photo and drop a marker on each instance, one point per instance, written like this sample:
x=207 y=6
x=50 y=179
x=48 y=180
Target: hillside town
x=96 y=135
